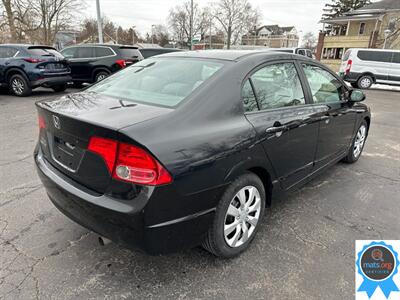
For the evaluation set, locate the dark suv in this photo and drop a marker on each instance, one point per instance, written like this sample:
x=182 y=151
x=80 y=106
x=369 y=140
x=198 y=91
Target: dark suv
x=94 y=62
x=25 y=67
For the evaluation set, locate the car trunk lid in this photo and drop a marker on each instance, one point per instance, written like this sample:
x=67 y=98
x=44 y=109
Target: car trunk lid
x=68 y=123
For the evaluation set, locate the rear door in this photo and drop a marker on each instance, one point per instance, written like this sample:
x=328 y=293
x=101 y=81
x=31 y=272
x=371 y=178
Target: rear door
x=81 y=62
x=6 y=54
x=275 y=103
x=394 y=69
x=335 y=114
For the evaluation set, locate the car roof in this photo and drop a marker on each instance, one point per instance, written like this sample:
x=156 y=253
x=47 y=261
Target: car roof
x=25 y=46
x=103 y=45
x=231 y=55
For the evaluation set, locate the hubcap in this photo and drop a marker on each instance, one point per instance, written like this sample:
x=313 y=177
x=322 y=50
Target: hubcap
x=359 y=142
x=17 y=86
x=101 y=77
x=365 y=82
x=242 y=216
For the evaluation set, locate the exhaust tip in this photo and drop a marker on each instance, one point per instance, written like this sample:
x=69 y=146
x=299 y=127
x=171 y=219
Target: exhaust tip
x=103 y=241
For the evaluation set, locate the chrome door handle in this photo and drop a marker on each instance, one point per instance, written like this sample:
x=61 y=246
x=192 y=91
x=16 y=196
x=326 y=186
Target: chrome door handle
x=275 y=129
x=324 y=118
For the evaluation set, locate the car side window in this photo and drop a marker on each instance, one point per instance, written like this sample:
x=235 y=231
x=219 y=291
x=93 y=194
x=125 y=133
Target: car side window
x=6 y=52
x=325 y=87
x=69 y=52
x=248 y=97
x=84 y=52
x=278 y=85
x=103 y=51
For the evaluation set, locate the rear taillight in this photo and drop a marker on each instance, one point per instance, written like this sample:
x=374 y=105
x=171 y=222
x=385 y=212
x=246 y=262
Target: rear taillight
x=121 y=63
x=106 y=148
x=129 y=163
x=33 y=60
x=348 y=66
x=42 y=122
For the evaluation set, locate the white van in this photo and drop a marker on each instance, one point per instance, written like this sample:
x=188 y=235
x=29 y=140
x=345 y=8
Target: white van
x=299 y=51
x=364 y=67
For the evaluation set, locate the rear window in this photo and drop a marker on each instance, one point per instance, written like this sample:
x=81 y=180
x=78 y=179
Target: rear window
x=164 y=82
x=44 y=52
x=378 y=56
x=127 y=52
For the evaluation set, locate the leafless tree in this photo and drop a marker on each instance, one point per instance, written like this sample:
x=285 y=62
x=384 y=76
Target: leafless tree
x=179 y=21
x=309 y=41
x=236 y=17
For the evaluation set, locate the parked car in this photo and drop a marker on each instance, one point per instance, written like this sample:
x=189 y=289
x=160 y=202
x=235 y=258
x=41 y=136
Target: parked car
x=195 y=145
x=94 y=62
x=148 y=52
x=364 y=67
x=299 y=51
x=25 y=67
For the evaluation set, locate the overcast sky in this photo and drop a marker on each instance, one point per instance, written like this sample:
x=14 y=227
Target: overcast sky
x=303 y=14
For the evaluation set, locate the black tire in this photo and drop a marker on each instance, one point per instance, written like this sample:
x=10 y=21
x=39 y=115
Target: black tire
x=215 y=240
x=19 y=86
x=365 y=82
x=354 y=84
x=59 y=88
x=100 y=76
x=351 y=156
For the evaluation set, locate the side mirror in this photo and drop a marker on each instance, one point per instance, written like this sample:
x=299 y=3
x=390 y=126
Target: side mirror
x=357 y=96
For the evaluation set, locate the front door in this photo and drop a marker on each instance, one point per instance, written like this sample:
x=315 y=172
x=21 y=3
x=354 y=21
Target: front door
x=276 y=106
x=335 y=114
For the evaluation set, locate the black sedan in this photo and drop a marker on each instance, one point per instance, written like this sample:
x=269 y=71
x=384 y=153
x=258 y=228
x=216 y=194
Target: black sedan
x=190 y=148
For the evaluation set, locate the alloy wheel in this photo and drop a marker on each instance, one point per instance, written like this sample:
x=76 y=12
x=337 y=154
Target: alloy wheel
x=100 y=77
x=359 y=142
x=18 y=86
x=242 y=216
x=365 y=82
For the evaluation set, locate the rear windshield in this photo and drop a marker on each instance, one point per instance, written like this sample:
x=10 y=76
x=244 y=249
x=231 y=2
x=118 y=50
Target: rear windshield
x=44 y=52
x=127 y=52
x=164 y=82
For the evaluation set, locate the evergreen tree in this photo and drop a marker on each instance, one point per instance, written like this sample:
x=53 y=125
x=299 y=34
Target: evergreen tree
x=338 y=7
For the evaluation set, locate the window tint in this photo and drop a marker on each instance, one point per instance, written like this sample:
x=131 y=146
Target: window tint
x=84 y=52
x=309 y=54
x=103 y=51
x=127 y=52
x=278 y=86
x=324 y=86
x=43 y=52
x=164 y=82
x=380 y=56
x=249 y=100
x=396 y=57
x=69 y=52
x=302 y=52
x=6 y=52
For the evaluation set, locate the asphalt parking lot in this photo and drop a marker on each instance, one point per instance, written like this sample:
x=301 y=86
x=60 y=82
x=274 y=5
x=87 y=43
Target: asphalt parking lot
x=304 y=249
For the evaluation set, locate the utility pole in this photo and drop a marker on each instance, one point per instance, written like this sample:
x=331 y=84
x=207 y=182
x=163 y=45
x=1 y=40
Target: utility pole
x=99 y=25
x=191 y=25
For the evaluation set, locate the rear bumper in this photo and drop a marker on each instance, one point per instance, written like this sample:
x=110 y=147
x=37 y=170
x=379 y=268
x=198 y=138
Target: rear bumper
x=125 y=222
x=51 y=80
x=350 y=77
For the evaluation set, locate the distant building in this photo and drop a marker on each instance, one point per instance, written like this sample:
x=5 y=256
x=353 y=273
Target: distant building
x=376 y=25
x=272 y=36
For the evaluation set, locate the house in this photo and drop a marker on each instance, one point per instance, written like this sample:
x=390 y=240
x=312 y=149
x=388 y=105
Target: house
x=376 y=25
x=272 y=36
